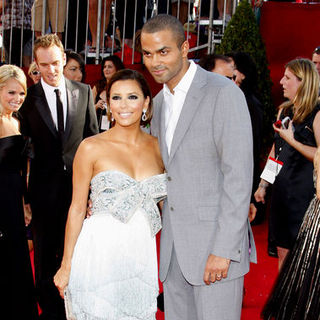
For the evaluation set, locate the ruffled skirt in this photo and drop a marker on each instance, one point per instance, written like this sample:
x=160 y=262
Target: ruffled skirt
x=296 y=293
x=114 y=274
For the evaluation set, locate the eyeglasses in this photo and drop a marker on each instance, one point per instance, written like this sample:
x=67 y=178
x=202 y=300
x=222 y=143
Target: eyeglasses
x=36 y=73
x=317 y=50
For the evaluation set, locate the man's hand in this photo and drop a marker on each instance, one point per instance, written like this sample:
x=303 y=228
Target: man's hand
x=216 y=269
x=89 y=209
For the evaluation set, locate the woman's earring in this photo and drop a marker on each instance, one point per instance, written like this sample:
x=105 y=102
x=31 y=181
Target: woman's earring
x=144 y=115
x=111 y=116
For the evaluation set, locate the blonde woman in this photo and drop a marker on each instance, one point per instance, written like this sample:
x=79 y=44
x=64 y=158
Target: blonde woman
x=294 y=148
x=34 y=73
x=15 y=269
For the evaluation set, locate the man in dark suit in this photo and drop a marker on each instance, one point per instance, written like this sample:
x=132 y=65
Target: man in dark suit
x=57 y=115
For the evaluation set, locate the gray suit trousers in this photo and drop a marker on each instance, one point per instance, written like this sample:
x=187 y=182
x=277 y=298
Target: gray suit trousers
x=184 y=301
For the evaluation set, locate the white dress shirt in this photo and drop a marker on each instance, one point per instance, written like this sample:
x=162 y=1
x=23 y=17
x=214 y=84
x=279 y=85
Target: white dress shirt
x=52 y=100
x=174 y=102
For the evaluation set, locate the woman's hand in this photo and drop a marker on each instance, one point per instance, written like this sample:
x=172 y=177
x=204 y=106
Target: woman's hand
x=252 y=212
x=260 y=194
x=27 y=214
x=61 y=280
x=286 y=134
x=101 y=104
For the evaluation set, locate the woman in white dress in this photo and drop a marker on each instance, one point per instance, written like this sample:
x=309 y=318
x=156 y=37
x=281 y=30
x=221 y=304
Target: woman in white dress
x=109 y=266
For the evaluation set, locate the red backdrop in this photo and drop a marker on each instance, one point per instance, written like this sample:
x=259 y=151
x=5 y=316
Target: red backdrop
x=290 y=30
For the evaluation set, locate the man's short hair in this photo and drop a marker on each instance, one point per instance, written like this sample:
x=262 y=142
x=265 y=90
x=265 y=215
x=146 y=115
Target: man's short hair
x=46 y=41
x=208 y=62
x=317 y=50
x=163 y=22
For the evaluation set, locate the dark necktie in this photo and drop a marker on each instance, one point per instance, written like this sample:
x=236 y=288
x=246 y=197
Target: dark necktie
x=59 y=113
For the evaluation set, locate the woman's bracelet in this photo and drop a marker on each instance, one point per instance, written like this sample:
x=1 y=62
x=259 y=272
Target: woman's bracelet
x=263 y=185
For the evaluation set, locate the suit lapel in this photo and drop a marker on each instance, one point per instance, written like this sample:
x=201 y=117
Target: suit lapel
x=72 y=104
x=162 y=134
x=191 y=104
x=43 y=108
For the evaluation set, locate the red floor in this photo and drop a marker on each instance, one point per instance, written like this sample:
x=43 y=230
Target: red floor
x=258 y=281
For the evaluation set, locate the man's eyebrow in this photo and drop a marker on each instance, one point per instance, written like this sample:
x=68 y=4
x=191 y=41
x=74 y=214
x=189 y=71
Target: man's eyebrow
x=158 y=50
x=46 y=63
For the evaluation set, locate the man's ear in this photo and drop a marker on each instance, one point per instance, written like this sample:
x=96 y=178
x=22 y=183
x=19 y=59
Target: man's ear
x=64 y=58
x=185 y=49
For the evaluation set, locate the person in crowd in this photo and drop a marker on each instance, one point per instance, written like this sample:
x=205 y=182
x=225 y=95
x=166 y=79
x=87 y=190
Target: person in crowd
x=16 y=280
x=316 y=58
x=126 y=53
x=291 y=166
x=34 y=73
x=246 y=77
x=75 y=67
x=109 y=265
x=57 y=115
x=109 y=66
x=55 y=15
x=130 y=19
x=181 y=7
x=296 y=292
x=222 y=10
x=12 y=23
x=217 y=63
x=203 y=125
x=93 y=18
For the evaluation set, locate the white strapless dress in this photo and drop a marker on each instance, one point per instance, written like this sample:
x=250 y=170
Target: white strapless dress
x=114 y=273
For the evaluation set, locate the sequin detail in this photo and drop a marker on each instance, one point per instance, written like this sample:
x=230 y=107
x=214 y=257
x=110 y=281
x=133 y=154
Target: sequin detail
x=120 y=195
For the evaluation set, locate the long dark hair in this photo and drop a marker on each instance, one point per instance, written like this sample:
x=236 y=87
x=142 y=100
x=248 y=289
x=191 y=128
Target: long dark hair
x=128 y=74
x=102 y=83
x=76 y=56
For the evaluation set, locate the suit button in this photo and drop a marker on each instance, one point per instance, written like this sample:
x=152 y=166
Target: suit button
x=171 y=208
x=169 y=179
x=239 y=251
x=1 y=234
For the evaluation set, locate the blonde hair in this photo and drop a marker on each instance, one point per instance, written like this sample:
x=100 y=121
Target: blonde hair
x=9 y=71
x=46 y=41
x=307 y=96
x=32 y=67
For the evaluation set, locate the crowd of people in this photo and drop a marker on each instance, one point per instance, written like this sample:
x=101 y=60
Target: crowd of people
x=196 y=176
x=76 y=24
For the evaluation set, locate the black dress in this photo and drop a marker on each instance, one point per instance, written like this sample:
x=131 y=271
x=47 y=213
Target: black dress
x=296 y=294
x=16 y=281
x=293 y=188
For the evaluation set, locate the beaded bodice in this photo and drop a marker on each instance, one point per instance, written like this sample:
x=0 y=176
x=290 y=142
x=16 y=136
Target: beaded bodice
x=116 y=193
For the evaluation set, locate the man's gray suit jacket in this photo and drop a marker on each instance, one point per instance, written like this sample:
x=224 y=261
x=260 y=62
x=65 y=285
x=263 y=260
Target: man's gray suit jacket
x=209 y=179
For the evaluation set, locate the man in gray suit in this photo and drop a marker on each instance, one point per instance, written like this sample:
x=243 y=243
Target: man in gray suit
x=202 y=122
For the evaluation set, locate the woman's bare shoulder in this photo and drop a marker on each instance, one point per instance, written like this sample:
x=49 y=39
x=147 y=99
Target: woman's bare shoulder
x=94 y=142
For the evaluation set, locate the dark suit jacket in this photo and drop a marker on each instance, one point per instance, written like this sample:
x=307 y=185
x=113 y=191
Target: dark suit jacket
x=51 y=157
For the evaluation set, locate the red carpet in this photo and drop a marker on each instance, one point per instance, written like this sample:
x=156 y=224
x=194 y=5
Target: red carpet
x=258 y=281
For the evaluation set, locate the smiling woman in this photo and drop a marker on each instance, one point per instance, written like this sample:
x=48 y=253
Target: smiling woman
x=113 y=274
x=15 y=268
